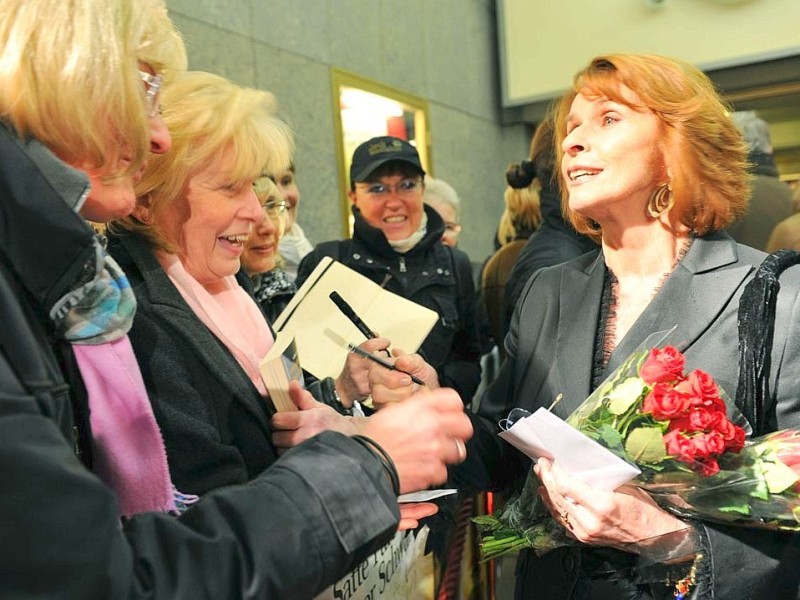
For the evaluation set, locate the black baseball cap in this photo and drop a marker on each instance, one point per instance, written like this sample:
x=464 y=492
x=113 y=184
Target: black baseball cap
x=378 y=151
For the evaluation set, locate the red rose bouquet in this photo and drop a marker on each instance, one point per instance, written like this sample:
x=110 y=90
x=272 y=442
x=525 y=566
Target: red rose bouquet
x=688 y=440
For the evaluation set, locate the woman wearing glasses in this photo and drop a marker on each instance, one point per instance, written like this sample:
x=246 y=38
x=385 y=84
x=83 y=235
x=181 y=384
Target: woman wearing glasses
x=273 y=288
x=396 y=243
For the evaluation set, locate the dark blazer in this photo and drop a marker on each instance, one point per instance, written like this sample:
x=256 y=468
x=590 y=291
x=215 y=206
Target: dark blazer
x=213 y=419
x=550 y=347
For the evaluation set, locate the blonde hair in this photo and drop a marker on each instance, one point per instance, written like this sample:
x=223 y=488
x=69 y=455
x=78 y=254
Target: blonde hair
x=523 y=211
x=69 y=77
x=702 y=148
x=267 y=191
x=207 y=115
x=522 y=214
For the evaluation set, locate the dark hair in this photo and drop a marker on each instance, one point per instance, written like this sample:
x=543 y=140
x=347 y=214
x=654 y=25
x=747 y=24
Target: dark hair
x=542 y=158
x=520 y=175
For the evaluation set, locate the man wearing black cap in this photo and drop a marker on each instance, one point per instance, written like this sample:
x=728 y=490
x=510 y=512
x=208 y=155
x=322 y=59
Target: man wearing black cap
x=396 y=243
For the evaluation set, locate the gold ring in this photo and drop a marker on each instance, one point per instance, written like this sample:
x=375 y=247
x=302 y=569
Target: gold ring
x=565 y=518
x=462 y=450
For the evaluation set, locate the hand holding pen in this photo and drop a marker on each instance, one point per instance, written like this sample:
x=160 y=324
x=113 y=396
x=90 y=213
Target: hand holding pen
x=402 y=377
x=390 y=386
x=384 y=363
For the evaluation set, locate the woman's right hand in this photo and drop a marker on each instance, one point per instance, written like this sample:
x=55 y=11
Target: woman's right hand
x=423 y=435
x=388 y=387
x=353 y=382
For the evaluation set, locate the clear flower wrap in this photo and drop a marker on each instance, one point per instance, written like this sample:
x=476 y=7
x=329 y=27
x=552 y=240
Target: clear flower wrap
x=689 y=441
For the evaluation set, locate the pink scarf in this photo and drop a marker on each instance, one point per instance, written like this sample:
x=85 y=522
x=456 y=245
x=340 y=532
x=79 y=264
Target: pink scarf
x=129 y=453
x=229 y=312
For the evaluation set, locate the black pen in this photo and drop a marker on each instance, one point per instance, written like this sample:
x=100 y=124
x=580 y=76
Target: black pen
x=351 y=314
x=383 y=363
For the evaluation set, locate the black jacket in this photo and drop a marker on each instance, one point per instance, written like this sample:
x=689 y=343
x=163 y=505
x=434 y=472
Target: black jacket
x=430 y=274
x=554 y=242
x=310 y=518
x=551 y=347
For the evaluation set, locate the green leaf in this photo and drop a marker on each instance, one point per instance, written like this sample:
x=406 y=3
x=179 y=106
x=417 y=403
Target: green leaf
x=778 y=476
x=609 y=437
x=740 y=509
x=625 y=395
x=646 y=444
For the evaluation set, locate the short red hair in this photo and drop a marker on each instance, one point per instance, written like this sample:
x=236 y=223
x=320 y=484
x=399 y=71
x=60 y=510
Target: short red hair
x=702 y=147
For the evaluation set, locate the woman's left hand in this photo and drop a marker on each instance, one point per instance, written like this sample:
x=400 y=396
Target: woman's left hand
x=290 y=428
x=597 y=517
x=389 y=386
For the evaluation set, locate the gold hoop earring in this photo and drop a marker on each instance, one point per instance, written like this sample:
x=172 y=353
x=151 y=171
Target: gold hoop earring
x=660 y=201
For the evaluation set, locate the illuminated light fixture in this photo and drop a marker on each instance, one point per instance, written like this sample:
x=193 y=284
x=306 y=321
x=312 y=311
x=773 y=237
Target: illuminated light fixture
x=359 y=100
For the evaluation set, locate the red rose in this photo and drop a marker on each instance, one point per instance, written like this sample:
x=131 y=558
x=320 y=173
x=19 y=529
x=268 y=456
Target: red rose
x=685 y=387
x=737 y=443
x=698 y=418
x=703 y=385
x=679 y=446
x=706 y=467
x=662 y=365
x=732 y=435
x=716 y=404
x=665 y=402
x=708 y=444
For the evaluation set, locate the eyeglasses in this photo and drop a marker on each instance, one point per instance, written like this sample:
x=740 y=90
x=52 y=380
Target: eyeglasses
x=152 y=88
x=276 y=209
x=406 y=187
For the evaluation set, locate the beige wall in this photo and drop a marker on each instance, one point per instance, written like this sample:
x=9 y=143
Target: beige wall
x=442 y=50
x=545 y=41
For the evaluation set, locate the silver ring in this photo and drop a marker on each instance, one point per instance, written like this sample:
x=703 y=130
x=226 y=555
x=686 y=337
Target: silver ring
x=462 y=450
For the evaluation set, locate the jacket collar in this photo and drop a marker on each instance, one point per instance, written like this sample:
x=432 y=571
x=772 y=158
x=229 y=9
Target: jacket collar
x=691 y=298
x=374 y=239
x=40 y=195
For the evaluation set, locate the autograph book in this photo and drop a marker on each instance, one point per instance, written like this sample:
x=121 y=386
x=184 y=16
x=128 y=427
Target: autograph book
x=318 y=326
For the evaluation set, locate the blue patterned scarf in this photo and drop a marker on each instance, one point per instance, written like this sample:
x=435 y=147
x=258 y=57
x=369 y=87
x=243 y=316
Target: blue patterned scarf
x=100 y=308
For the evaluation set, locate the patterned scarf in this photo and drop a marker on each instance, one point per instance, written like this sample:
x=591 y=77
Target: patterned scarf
x=101 y=308
x=130 y=456
x=273 y=283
